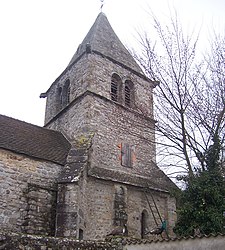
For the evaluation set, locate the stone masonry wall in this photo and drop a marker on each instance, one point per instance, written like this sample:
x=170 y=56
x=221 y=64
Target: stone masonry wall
x=87 y=209
x=74 y=122
x=99 y=81
x=94 y=73
x=110 y=125
x=78 y=85
x=15 y=241
x=41 y=210
x=102 y=194
x=27 y=194
x=121 y=127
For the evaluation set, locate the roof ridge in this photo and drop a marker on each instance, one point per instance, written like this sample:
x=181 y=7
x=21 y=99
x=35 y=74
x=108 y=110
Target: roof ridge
x=30 y=124
x=16 y=119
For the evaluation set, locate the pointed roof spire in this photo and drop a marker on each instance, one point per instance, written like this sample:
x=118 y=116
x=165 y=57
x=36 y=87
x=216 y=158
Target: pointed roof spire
x=102 y=38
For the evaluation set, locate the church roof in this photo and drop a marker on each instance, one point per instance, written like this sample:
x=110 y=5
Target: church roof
x=157 y=181
x=32 y=140
x=101 y=38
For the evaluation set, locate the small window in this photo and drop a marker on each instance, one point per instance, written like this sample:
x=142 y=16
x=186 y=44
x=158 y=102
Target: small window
x=63 y=95
x=128 y=94
x=116 y=84
x=114 y=90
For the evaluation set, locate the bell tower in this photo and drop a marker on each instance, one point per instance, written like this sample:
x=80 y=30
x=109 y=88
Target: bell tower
x=103 y=103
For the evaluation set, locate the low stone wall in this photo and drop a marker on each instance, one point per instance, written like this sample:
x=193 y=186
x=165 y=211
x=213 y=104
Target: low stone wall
x=13 y=241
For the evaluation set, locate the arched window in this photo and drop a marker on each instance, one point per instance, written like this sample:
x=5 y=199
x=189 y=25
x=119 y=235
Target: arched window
x=115 y=88
x=128 y=93
x=144 y=223
x=63 y=95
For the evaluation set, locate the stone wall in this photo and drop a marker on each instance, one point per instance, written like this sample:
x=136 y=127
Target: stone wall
x=28 y=193
x=99 y=82
x=41 y=210
x=103 y=195
x=78 y=85
x=110 y=126
x=114 y=127
x=9 y=241
x=91 y=208
x=13 y=241
x=93 y=72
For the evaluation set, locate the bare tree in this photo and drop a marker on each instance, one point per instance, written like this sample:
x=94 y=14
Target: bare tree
x=189 y=101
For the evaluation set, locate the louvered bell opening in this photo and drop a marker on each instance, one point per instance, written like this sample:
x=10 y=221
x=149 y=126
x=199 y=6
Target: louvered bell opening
x=127 y=96
x=114 y=91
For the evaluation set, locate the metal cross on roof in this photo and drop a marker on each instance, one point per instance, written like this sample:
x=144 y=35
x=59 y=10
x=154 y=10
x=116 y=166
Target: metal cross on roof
x=102 y=4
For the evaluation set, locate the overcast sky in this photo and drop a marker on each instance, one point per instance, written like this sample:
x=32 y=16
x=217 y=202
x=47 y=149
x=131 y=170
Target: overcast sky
x=39 y=37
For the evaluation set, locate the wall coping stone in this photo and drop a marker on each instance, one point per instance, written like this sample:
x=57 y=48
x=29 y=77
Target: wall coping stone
x=11 y=240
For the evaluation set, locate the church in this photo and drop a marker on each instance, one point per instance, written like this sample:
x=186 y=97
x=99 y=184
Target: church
x=92 y=168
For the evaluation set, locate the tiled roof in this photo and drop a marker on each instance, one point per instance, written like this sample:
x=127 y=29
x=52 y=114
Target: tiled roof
x=158 y=181
x=133 y=241
x=32 y=140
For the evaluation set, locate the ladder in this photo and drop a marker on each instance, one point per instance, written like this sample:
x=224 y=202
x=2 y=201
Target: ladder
x=157 y=210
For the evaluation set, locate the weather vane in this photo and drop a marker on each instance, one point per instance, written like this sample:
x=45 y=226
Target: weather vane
x=102 y=4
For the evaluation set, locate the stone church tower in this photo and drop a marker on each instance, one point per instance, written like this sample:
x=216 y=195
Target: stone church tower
x=102 y=103
x=91 y=169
